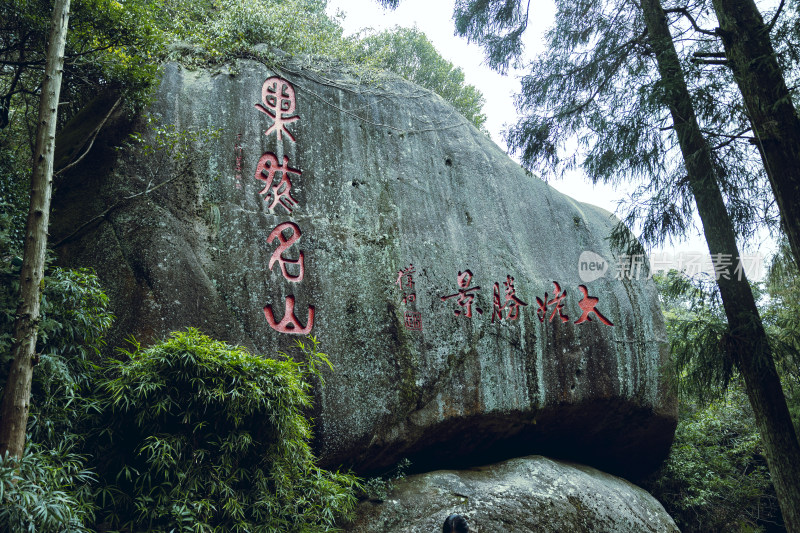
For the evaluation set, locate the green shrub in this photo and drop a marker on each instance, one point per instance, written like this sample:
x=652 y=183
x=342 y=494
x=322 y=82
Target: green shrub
x=50 y=488
x=74 y=318
x=716 y=476
x=204 y=436
x=45 y=491
x=378 y=488
x=409 y=53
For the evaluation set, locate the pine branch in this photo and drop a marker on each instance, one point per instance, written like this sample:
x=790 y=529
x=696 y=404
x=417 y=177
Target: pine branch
x=775 y=16
x=728 y=136
x=685 y=12
x=698 y=61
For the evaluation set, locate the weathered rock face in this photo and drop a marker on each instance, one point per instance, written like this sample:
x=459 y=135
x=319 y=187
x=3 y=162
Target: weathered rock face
x=525 y=495
x=382 y=177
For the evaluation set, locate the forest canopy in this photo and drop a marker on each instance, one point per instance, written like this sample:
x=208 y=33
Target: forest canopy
x=117 y=47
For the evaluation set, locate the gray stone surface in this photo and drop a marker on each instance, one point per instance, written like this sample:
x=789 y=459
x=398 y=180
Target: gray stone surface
x=390 y=175
x=526 y=495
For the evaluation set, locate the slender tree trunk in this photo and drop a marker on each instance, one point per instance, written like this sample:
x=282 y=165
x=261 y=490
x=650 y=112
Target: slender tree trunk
x=776 y=127
x=751 y=350
x=17 y=393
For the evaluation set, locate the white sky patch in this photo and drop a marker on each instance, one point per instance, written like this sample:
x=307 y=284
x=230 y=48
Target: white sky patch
x=435 y=19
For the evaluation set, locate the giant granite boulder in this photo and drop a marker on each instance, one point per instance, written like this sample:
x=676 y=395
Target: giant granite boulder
x=259 y=204
x=525 y=495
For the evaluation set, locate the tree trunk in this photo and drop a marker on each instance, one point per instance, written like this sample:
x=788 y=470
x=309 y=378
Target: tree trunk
x=750 y=348
x=17 y=393
x=776 y=127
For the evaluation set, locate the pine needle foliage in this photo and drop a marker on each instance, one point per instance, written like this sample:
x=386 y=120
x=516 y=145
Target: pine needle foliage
x=594 y=99
x=698 y=333
x=199 y=435
x=782 y=315
x=702 y=344
x=716 y=478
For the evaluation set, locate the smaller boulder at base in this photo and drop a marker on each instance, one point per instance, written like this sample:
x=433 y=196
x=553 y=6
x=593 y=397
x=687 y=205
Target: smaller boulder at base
x=531 y=494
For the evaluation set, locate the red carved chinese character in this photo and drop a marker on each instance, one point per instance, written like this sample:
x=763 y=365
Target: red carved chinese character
x=408 y=295
x=512 y=303
x=237 y=150
x=558 y=299
x=285 y=243
x=587 y=305
x=465 y=296
x=281 y=192
x=413 y=320
x=289 y=323
x=279 y=101
x=497 y=309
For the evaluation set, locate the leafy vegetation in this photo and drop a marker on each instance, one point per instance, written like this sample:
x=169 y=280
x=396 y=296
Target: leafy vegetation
x=207 y=32
x=198 y=435
x=378 y=488
x=74 y=319
x=50 y=488
x=234 y=28
x=628 y=83
x=409 y=53
x=46 y=490
x=715 y=478
x=190 y=434
x=115 y=47
x=194 y=434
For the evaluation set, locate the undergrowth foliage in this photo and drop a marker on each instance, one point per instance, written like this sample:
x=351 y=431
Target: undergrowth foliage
x=50 y=488
x=716 y=476
x=45 y=490
x=199 y=435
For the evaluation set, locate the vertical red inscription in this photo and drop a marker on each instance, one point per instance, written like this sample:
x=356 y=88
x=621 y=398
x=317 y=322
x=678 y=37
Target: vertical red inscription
x=511 y=304
x=558 y=300
x=281 y=192
x=409 y=295
x=279 y=103
x=405 y=280
x=284 y=244
x=465 y=295
x=278 y=97
x=237 y=150
x=289 y=323
x=587 y=305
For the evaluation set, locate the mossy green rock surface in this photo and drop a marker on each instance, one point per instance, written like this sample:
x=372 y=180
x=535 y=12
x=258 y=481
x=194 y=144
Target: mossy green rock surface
x=385 y=175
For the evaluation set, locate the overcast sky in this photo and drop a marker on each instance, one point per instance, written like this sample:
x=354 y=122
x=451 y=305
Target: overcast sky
x=434 y=18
